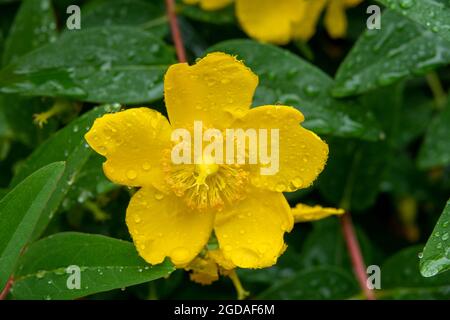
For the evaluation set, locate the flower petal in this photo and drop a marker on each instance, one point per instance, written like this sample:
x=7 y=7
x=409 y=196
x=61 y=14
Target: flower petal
x=336 y=19
x=132 y=142
x=301 y=153
x=162 y=226
x=269 y=20
x=215 y=90
x=250 y=233
x=305 y=213
x=306 y=27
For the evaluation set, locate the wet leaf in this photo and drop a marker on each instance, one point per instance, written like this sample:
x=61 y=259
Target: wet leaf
x=433 y=14
x=401 y=48
x=68 y=145
x=401 y=279
x=436 y=254
x=435 y=150
x=106 y=64
x=34 y=25
x=20 y=210
x=316 y=283
x=354 y=173
x=104 y=264
x=150 y=16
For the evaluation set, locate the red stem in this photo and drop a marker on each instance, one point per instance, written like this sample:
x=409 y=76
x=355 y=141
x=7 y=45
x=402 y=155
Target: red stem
x=354 y=250
x=176 y=34
x=5 y=291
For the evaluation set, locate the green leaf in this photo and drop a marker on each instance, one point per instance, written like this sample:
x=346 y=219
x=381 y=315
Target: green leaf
x=401 y=48
x=20 y=210
x=105 y=264
x=90 y=183
x=222 y=16
x=16 y=119
x=313 y=284
x=401 y=279
x=436 y=254
x=105 y=64
x=435 y=150
x=433 y=14
x=69 y=145
x=288 y=79
x=354 y=173
x=325 y=246
x=143 y=14
x=34 y=26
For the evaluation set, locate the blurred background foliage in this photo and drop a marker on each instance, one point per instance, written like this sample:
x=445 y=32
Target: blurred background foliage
x=378 y=97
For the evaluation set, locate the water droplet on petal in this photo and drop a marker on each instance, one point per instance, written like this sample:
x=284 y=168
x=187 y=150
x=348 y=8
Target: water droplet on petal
x=131 y=174
x=297 y=182
x=146 y=166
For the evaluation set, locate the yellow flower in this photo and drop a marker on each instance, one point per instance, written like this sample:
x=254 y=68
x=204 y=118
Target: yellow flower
x=305 y=213
x=179 y=206
x=279 y=21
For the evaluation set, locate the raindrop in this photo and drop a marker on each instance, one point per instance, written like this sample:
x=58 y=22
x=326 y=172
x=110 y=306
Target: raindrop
x=131 y=174
x=297 y=182
x=420 y=255
x=406 y=4
x=311 y=90
x=280 y=187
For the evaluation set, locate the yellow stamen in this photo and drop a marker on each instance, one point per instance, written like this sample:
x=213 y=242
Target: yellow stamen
x=58 y=107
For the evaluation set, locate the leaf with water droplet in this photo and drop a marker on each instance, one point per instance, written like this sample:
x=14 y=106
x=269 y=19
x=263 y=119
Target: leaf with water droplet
x=147 y=15
x=436 y=254
x=100 y=263
x=34 y=25
x=435 y=150
x=54 y=149
x=401 y=279
x=93 y=65
x=21 y=210
x=314 y=284
x=433 y=14
x=401 y=48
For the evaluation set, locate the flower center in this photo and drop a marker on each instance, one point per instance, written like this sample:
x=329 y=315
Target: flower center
x=206 y=185
x=204 y=168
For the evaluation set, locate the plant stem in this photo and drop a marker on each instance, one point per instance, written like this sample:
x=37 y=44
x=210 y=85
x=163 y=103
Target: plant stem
x=176 y=33
x=241 y=292
x=354 y=250
x=440 y=97
x=5 y=291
